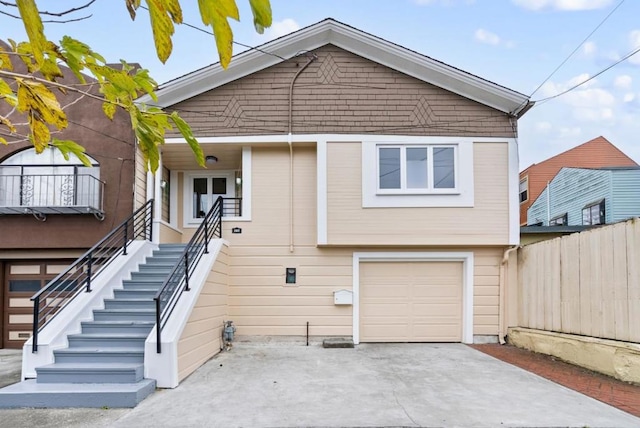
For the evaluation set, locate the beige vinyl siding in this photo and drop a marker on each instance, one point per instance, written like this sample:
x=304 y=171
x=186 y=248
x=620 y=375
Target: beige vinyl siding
x=140 y=187
x=169 y=235
x=487 y=223
x=202 y=336
x=486 y=292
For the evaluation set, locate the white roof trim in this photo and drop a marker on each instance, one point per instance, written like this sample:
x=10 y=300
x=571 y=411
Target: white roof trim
x=355 y=41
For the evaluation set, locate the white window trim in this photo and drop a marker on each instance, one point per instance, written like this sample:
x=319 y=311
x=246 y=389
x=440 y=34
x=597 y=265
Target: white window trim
x=461 y=196
x=466 y=258
x=189 y=176
x=429 y=190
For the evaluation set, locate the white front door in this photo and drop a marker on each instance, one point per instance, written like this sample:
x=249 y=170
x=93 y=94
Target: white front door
x=205 y=189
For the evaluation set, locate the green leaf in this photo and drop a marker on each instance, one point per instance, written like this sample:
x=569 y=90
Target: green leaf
x=215 y=14
x=187 y=133
x=109 y=109
x=34 y=28
x=261 y=10
x=67 y=147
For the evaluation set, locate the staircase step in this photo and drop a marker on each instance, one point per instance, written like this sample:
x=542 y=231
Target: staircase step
x=111 y=327
x=133 y=304
x=149 y=276
x=135 y=293
x=159 y=267
x=128 y=340
x=31 y=394
x=129 y=284
x=99 y=355
x=90 y=373
x=124 y=315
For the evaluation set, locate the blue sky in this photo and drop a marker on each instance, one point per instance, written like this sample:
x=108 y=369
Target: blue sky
x=515 y=43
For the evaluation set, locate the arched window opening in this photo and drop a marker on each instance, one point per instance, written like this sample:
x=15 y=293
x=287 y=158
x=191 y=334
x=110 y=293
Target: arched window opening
x=47 y=183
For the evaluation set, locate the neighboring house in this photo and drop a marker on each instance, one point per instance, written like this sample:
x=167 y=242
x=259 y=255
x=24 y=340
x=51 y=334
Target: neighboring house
x=370 y=193
x=588 y=197
x=596 y=153
x=52 y=210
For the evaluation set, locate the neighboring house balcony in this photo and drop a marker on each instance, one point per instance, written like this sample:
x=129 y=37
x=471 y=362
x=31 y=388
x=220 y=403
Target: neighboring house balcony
x=46 y=194
x=51 y=186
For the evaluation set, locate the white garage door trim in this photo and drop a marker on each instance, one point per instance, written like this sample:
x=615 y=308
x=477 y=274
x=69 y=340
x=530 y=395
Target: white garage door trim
x=467 y=282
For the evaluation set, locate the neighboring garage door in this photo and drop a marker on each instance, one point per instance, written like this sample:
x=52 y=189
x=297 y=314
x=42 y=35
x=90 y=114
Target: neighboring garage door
x=411 y=301
x=23 y=280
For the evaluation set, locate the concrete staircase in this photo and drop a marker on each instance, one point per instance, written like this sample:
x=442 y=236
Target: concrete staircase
x=103 y=365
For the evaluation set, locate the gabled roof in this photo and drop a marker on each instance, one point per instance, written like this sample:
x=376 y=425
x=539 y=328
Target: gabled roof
x=330 y=31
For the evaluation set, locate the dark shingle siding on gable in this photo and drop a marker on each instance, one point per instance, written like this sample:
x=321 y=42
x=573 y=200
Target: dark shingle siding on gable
x=338 y=93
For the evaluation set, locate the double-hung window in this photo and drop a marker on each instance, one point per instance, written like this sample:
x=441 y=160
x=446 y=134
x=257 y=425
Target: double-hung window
x=416 y=168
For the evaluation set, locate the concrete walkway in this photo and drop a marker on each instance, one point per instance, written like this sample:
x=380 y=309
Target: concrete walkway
x=288 y=385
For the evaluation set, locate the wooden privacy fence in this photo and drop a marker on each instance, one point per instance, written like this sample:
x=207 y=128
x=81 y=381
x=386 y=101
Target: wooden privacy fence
x=586 y=283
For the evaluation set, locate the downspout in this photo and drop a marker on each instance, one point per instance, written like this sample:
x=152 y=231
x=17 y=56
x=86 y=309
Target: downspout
x=290 y=143
x=502 y=294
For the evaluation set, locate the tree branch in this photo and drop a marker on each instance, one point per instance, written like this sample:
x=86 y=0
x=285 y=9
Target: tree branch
x=44 y=12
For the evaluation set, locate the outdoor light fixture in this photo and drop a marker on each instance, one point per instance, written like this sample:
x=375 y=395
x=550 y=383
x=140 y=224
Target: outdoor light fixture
x=238 y=180
x=211 y=160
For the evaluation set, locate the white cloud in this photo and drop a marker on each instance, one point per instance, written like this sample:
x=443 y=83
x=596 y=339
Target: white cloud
x=562 y=4
x=443 y=2
x=589 y=49
x=543 y=127
x=487 y=37
x=570 y=132
x=623 y=81
x=281 y=28
x=484 y=36
x=629 y=97
x=634 y=43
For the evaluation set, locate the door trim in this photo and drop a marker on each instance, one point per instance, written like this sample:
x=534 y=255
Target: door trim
x=467 y=282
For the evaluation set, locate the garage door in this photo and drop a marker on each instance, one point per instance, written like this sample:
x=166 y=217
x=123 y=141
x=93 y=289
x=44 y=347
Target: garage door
x=411 y=301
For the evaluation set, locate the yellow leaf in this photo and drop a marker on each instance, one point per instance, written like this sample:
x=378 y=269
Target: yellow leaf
x=215 y=14
x=6 y=122
x=261 y=10
x=34 y=28
x=109 y=109
x=163 y=13
x=40 y=134
x=7 y=93
x=132 y=6
x=5 y=61
x=3 y=141
x=37 y=99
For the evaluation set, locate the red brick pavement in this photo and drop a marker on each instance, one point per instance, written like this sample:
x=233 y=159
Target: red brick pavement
x=614 y=392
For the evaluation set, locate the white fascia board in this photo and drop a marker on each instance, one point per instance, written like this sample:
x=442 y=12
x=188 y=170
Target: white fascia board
x=360 y=43
x=514 y=189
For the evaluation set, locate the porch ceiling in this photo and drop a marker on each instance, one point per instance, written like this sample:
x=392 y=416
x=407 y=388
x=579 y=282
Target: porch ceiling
x=178 y=156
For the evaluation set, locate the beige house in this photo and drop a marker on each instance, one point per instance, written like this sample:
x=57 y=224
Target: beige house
x=368 y=192
x=364 y=167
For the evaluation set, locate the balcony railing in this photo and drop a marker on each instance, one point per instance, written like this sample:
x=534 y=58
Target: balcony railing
x=232 y=207
x=45 y=194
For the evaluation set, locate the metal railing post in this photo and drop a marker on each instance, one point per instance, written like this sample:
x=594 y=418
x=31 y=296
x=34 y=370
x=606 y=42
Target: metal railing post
x=89 y=264
x=151 y=220
x=36 y=317
x=126 y=230
x=206 y=236
x=158 y=327
x=186 y=271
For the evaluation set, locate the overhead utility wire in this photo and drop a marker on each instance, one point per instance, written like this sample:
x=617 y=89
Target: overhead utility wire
x=577 y=47
x=624 y=58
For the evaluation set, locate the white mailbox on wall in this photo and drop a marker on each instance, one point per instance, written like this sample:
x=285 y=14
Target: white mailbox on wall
x=343 y=297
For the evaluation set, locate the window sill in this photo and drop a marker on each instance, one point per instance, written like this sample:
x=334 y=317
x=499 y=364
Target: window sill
x=418 y=193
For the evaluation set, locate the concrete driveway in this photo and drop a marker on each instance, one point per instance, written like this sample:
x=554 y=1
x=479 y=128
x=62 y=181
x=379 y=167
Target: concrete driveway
x=289 y=385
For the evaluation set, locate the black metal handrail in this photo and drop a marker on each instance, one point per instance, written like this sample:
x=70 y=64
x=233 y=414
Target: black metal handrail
x=232 y=207
x=178 y=280
x=78 y=276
